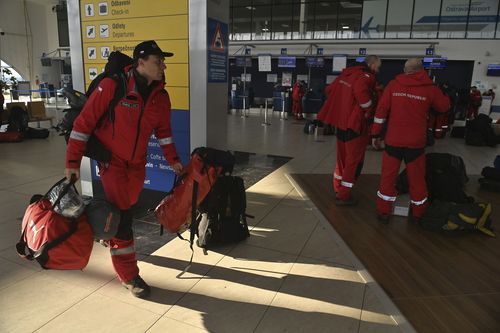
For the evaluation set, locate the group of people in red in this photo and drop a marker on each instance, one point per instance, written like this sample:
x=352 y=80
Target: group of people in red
x=361 y=111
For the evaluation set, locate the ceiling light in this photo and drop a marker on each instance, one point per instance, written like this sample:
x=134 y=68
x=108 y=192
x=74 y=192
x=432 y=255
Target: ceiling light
x=348 y=4
x=250 y=8
x=345 y=27
x=285 y=25
x=265 y=29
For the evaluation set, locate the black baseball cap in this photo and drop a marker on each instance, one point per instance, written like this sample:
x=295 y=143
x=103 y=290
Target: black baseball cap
x=147 y=48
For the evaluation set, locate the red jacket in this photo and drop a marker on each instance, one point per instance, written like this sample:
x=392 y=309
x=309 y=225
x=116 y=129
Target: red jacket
x=134 y=123
x=349 y=99
x=405 y=104
x=297 y=92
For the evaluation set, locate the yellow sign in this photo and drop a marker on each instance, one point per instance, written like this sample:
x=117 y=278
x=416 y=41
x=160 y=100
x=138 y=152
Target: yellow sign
x=135 y=29
x=120 y=25
x=97 y=10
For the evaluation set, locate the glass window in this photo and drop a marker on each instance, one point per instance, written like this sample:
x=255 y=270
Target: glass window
x=325 y=26
x=282 y=21
x=453 y=18
x=349 y=19
x=241 y=25
x=425 y=19
x=399 y=19
x=261 y=23
x=482 y=19
x=373 y=23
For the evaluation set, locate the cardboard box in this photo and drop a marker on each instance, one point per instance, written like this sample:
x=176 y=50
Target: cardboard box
x=36 y=110
x=402 y=205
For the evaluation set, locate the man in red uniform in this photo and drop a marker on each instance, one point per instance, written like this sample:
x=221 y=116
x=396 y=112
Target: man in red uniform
x=297 y=94
x=349 y=107
x=475 y=102
x=145 y=108
x=405 y=105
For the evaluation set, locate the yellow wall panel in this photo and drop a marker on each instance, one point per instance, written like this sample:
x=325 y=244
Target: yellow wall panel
x=91 y=10
x=179 y=97
x=177 y=75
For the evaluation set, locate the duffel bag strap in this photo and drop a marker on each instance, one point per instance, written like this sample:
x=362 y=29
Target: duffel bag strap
x=21 y=248
x=192 y=227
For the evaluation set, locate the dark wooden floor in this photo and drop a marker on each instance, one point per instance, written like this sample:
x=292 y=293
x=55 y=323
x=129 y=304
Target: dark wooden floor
x=441 y=283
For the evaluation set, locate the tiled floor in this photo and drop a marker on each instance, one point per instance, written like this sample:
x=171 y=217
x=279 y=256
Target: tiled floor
x=293 y=274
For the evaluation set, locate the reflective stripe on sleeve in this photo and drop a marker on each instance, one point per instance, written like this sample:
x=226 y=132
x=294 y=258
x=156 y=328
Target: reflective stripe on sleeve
x=125 y=250
x=378 y=120
x=385 y=197
x=366 y=105
x=346 y=184
x=337 y=176
x=79 y=136
x=418 y=203
x=166 y=141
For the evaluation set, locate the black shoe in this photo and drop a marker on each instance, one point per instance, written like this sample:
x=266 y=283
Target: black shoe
x=349 y=202
x=138 y=287
x=383 y=218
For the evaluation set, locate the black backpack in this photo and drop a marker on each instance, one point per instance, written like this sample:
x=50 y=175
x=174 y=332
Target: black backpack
x=223 y=215
x=18 y=120
x=453 y=217
x=446 y=178
x=117 y=61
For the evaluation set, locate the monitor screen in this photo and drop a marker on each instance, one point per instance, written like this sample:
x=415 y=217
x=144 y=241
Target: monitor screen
x=493 y=70
x=287 y=62
x=360 y=59
x=434 y=63
x=315 y=61
x=241 y=61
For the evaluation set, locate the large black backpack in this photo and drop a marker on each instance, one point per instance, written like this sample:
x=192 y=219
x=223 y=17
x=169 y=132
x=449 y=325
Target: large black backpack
x=223 y=213
x=446 y=178
x=114 y=69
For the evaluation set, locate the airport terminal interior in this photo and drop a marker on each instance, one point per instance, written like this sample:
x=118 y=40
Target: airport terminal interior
x=309 y=264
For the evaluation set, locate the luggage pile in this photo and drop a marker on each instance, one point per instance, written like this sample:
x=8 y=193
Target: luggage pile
x=207 y=200
x=18 y=129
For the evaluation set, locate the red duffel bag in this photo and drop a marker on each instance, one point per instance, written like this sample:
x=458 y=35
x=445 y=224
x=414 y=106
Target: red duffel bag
x=55 y=241
x=175 y=211
x=11 y=136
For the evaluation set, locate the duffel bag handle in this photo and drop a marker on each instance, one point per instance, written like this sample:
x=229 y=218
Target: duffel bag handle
x=64 y=190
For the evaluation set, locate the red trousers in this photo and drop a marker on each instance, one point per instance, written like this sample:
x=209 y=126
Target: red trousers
x=297 y=108
x=122 y=185
x=350 y=157
x=415 y=168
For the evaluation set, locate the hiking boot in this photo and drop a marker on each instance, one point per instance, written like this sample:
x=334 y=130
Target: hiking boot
x=383 y=218
x=138 y=287
x=349 y=202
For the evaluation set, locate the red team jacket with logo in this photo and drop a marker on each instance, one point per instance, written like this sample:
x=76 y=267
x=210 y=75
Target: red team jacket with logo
x=405 y=105
x=128 y=136
x=349 y=100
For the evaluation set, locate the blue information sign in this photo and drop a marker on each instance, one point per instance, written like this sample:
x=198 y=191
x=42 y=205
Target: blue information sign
x=429 y=51
x=217 y=50
x=362 y=51
x=319 y=51
x=284 y=51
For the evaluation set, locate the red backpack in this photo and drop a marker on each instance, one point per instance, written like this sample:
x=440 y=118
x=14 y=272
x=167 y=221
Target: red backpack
x=55 y=241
